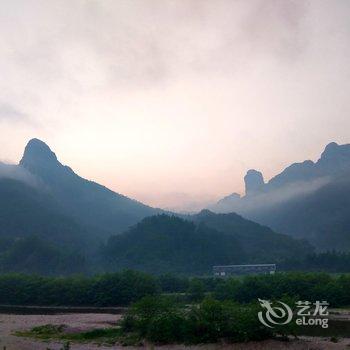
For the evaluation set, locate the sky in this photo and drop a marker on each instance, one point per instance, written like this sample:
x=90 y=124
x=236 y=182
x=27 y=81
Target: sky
x=171 y=102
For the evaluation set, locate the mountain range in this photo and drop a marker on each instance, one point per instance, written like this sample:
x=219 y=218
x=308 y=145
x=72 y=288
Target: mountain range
x=46 y=207
x=308 y=200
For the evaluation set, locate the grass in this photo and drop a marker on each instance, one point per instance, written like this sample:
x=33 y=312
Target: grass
x=59 y=332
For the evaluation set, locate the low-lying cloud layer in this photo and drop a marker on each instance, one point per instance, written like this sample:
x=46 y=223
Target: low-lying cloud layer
x=268 y=200
x=15 y=172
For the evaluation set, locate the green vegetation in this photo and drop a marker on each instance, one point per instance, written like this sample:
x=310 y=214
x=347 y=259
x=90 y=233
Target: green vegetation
x=104 y=290
x=45 y=332
x=27 y=210
x=161 y=320
x=163 y=244
x=120 y=289
x=259 y=243
x=332 y=261
x=32 y=253
x=44 y=230
x=35 y=237
x=301 y=286
x=59 y=332
x=53 y=222
x=171 y=309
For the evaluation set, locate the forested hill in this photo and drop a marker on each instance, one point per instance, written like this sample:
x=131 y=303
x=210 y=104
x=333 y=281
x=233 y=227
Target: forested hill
x=164 y=243
x=35 y=236
x=260 y=242
x=26 y=210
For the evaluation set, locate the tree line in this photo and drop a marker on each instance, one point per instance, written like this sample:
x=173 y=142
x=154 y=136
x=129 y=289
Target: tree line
x=123 y=288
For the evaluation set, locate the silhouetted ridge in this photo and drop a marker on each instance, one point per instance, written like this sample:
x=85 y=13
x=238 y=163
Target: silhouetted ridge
x=58 y=225
x=93 y=205
x=306 y=200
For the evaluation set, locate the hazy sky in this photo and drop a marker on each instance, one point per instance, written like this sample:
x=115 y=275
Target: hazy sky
x=170 y=102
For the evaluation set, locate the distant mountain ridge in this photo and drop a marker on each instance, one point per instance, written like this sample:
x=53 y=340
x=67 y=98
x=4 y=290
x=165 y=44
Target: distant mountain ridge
x=53 y=221
x=334 y=161
x=86 y=201
x=291 y=201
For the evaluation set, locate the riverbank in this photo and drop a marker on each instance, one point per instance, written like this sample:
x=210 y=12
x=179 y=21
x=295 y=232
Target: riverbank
x=89 y=321
x=53 y=310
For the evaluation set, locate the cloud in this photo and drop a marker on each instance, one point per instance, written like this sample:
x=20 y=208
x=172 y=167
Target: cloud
x=15 y=172
x=217 y=86
x=272 y=198
x=10 y=113
x=90 y=44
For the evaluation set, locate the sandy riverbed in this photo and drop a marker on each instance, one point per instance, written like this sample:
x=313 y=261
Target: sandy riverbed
x=79 y=322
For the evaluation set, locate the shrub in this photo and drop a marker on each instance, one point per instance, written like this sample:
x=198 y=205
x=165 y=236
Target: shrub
x=196 y=290
x=160 y=320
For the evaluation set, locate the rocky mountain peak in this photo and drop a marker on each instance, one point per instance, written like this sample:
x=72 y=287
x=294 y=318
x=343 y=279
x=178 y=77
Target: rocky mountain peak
x=37 y=151
x=254 y=182
x=330 y=150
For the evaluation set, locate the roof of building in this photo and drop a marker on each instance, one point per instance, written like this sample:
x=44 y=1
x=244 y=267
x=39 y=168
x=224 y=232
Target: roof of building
x=248 y=265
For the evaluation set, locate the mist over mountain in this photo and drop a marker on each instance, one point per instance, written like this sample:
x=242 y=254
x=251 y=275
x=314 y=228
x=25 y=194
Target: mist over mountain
x=86 y=201
x=306 y=200
x=35 y=234
x=27 y=210
x=12 y=171
x=52 y=221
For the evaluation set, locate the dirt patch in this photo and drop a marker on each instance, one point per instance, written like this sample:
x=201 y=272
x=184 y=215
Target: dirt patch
x=84 y=322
